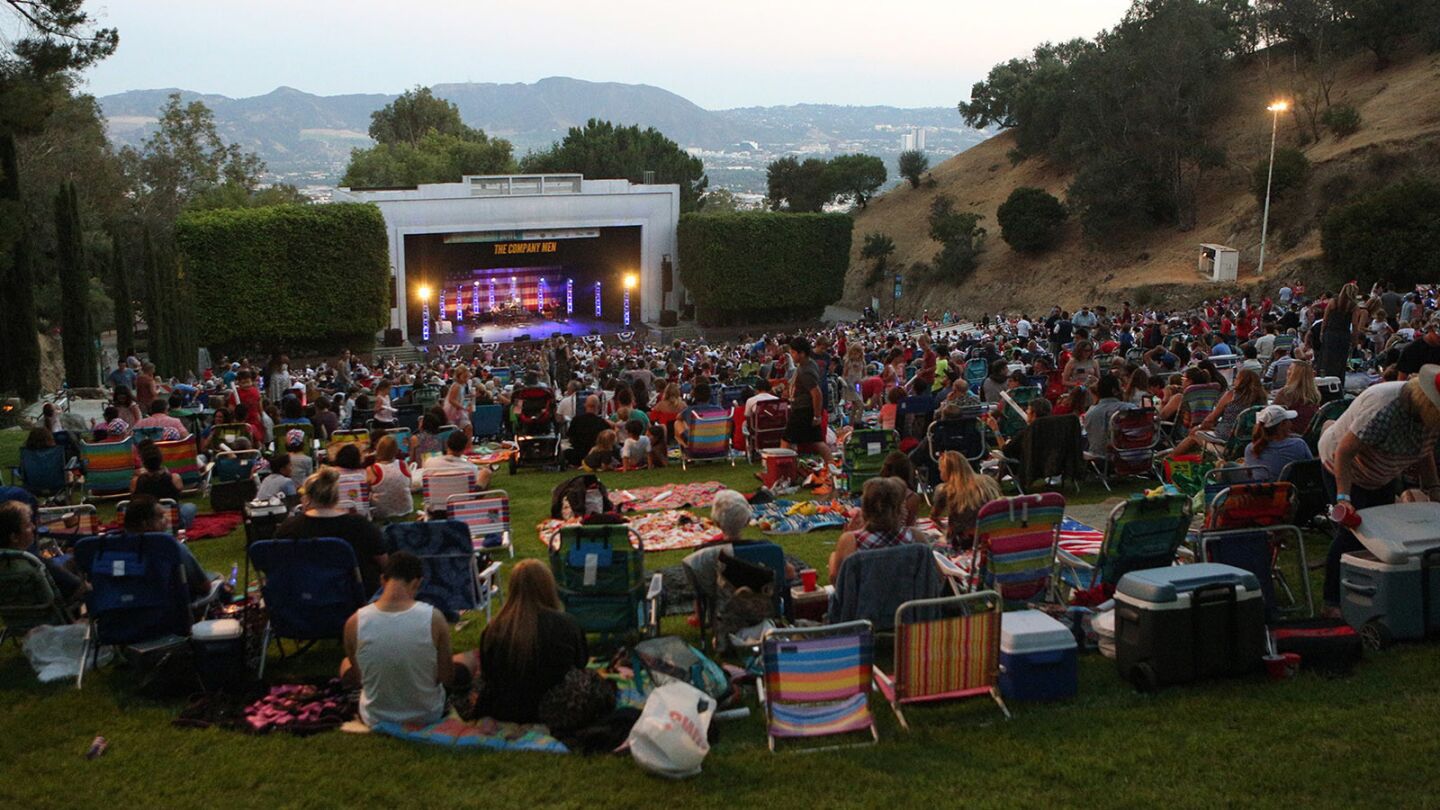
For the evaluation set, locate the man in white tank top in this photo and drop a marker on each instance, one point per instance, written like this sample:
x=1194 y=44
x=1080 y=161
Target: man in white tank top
x=398 y=651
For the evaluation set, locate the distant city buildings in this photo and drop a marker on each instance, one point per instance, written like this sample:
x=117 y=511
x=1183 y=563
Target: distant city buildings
x=914 y=140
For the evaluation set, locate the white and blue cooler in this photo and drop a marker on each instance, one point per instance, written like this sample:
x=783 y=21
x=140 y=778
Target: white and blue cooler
x=1182 y=623
x=219 y=650
x=1037 y=657
x=1391 y=589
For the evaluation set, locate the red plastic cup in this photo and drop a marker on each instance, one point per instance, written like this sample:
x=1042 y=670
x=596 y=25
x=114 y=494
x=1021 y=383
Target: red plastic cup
x=807 y=580
x=1282 y=667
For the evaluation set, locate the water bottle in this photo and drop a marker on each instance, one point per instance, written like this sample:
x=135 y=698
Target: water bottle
x=234 y=574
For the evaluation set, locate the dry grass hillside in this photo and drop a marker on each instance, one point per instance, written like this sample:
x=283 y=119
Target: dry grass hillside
x=1400 y=135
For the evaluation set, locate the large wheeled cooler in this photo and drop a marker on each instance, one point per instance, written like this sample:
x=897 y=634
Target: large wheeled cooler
x=1391 y=590
x=1188 y=622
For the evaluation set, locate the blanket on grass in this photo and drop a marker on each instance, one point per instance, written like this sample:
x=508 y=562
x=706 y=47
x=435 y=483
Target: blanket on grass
x=205 y=527
x=697 y=495
x=670 y=530
x=484 y=734
x=488 y=455
x=799 y=517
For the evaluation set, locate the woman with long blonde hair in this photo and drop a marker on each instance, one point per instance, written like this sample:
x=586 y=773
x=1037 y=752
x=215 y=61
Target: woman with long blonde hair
x=959 y=497
x=1299 y=394
x=528 y=648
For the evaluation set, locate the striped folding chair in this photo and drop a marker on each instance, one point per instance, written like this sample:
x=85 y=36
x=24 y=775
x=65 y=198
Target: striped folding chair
x=817 y=681
x=354 y=492
x=707 y=437
x=945 y=649
x=1015 y=541
x=437 y=487
x=172 y=515
x=108 y=467
x=179 y=458
x=486 y=515
x=71 y=523
x=360 y=437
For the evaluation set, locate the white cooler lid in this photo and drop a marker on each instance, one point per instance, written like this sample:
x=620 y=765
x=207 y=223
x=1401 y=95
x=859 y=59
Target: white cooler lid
x=216 y=630
x=1400 y=531
x=1027 y=631
x=778 y=452
x=1104 y=624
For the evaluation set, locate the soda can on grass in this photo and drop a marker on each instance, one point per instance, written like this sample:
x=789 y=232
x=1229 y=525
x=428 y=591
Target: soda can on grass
x=97 y=748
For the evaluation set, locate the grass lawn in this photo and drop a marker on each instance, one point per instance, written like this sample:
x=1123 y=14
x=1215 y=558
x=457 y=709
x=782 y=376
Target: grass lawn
x=1365 y=740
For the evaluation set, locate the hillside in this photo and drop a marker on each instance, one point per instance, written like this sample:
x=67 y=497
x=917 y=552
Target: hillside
x=1400 y=134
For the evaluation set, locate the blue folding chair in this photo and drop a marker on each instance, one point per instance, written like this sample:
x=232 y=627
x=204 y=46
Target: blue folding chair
x=310 y=588
x=487 y=421
x=453 y=580
x=42 y=473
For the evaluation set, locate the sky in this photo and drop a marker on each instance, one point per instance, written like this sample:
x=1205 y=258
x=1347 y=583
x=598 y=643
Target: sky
x=734 y=53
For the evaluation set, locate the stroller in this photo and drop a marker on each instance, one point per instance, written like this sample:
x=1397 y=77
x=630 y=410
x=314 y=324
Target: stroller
x=537 y=429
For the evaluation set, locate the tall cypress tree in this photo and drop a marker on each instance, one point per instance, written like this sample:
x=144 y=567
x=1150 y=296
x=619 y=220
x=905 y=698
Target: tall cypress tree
x=76 y=331
x=155 y=311
x=19 y=327
x=124 y=303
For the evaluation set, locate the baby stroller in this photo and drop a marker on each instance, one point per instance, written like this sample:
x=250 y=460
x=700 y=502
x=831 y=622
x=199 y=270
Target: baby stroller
x=537 y=429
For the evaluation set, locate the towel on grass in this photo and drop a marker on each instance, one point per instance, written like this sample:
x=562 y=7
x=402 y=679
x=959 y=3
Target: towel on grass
x=483 y=734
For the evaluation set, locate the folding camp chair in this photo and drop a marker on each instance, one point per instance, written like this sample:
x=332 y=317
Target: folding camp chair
x=43 y=473
x=731 y=394
x=172 y=515
x=1014 y=549
x=29 y=597
x=354 y=492
x=1248 y=526
x=229 y=432
x=1226 y=365
x=765 y=427
x=1228 y=475
x=358 y=437
x=232 y=479
x=1142 y=532
x=401 y=435
x=817 y=682
x=487 y=421
x=1328 y=412
x=976 y=370
x=453 y=582
x=147 y=434
x=108 y=467
x=1053 y=447
x=1013 y=405
x=864 y=454
x=487 y=516
x=945 y=649
x=1232 y=447
x=59 y=523
x=601 y=573
x=708 y=594
x=437 y=487
x=138 y=593
x=912 y=419
x=1130 y=453
x=1196 y=403
x=1311 y=498
x=871 y=584
x=179 y=458
x=706 y=437
x=310 y=589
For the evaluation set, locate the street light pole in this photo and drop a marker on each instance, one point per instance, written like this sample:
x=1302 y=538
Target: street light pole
x=1276 y=108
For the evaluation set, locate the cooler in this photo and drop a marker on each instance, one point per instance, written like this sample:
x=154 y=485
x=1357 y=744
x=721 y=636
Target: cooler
x=1188 y=622
x=219 y=652
x=1037 y=657
x=1388 y=591
x=262 y=518
x=1331 y=388
x=781 y=464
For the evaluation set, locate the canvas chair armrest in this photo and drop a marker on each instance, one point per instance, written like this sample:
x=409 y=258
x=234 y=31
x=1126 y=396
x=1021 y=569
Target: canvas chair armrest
x=1064 y=557
x=884 y=683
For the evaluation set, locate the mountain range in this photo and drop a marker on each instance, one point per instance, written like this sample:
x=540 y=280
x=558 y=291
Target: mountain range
x=306 y=138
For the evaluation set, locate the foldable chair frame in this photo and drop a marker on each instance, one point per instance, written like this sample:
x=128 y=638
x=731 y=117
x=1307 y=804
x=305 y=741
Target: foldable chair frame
x=865 y=639
x=479 y=531
x=1277 y=534
x=991 y=606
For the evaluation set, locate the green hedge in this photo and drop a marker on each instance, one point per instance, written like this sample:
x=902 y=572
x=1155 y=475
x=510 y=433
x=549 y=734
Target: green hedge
x=301 y=276
x=1390 y=235
x=763 y=267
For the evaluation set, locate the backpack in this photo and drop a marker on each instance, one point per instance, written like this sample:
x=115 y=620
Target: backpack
x=659 y=661
x=583 y=494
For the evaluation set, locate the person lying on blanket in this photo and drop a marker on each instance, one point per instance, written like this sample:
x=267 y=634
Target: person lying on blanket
x=397 y=650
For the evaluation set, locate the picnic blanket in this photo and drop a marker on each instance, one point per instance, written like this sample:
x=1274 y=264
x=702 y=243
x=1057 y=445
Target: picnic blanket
x=670 y=530
x=205 y=527
x=799 y=517
x=483 y=734
x=491 y=454
x=697 y=495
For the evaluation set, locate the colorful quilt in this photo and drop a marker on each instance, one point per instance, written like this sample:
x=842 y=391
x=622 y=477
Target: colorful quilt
x=800 y=517
x=670 y=530
x=697 y=495
x=490 y=454
x=484 y=734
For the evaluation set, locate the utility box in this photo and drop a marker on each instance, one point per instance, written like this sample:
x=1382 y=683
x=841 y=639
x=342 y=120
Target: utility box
x=1219 y=263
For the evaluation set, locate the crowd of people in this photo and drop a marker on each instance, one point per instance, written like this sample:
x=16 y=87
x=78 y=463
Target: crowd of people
x=621 y=405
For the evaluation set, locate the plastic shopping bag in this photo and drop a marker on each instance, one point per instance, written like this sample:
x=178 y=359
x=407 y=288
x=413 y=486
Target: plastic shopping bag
x=670 y=738
x=54 y=651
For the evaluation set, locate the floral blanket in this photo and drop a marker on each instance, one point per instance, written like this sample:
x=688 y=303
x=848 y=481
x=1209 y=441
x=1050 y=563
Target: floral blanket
x=697 y=495
x=484 y=734
x=670 y=530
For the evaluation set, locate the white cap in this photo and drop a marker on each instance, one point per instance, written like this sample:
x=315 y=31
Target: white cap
x=1272 y=415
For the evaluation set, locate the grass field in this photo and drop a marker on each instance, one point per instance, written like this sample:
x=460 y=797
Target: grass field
x=1366 y=740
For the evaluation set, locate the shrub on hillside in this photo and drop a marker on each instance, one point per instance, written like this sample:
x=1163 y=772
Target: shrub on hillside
x=961 y=239
x=764 y=267
x=1292 y=169
x=1031 y=219
x=1390 y=234
x=310 y=276
x=1342 y=120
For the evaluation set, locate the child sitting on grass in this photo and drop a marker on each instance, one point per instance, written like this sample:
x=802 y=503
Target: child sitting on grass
x=602 y=456
x=658 y=447
x=635 y=453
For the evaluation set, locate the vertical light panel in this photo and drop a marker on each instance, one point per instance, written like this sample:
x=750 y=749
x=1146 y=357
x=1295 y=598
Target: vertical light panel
x=492 y=295
x=475 y=298
x=569 y=296
x=597 y=299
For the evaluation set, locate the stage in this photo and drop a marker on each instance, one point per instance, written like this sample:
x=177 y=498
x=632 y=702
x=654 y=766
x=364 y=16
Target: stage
x=536 y=328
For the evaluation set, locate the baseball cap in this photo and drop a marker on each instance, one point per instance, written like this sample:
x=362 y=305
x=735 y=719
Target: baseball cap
x=1429 y=381
x=1272 y=415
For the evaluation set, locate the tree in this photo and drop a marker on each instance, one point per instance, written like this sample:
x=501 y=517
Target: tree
x=877 y=250
x=603 y=150
x=720 y=201
x=415 y=114
x=960 y=237
x=1390 y=234
x=1029 y=95
x=48 y=42
x=121 y=295
x=437 y=158
x=1379 y=25
x=77 y=334
x=1031 y=219
x=1292 y=168
x=230 y=195
x=856 y=176
x=913 y=165
x=801 y=187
